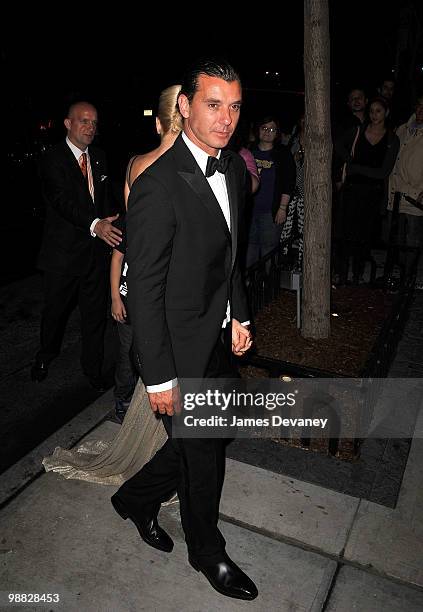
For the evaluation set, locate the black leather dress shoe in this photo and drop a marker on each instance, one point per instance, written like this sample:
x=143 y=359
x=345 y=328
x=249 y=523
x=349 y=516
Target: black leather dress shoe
x=227 y=578
x=39 y=371
x=149 y=529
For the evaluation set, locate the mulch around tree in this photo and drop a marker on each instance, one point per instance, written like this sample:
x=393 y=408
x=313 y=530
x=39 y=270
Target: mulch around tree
x=357 y=317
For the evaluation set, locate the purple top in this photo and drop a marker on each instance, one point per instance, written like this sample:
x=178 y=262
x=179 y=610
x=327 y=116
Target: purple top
x=263 y=198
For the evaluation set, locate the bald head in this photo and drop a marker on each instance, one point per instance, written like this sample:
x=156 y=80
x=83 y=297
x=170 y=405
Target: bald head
x=81 y=124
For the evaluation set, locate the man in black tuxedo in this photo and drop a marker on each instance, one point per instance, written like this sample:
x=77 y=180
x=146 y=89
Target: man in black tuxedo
x=184 y=288
x=75 y=249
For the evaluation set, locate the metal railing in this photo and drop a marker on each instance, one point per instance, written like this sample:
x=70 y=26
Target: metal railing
x=262 y=280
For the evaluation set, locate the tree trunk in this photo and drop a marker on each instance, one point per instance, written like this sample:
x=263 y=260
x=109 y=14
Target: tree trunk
x=317 y=172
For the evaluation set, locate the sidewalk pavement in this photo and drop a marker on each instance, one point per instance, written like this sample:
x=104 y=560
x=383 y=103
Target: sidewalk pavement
x=306 y=547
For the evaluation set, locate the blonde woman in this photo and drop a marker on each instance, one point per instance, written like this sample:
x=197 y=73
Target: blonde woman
x=168 y=126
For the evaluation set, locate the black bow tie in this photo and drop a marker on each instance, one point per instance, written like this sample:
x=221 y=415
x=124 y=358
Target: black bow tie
x=213 y=164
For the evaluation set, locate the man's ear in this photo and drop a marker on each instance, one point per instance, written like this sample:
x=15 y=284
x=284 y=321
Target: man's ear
x=183 y=103
x=67 y=123
x=158 y=126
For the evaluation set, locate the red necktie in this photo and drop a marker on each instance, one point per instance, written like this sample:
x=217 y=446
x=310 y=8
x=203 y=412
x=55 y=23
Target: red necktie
x=83 y=164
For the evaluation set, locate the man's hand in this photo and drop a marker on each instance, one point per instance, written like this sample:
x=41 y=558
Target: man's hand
x=105 y=230
x=241 y=338
x=166 y=402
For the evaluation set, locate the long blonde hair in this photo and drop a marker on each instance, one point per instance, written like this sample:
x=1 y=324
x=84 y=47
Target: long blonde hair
x=168 y=111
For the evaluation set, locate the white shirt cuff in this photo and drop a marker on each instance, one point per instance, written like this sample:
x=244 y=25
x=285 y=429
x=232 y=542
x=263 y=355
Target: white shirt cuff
x=226 y=321
x=170 y=384
x=92 y=226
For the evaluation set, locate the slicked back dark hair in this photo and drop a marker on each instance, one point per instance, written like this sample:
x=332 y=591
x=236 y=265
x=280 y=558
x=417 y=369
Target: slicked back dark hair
x=213 y=67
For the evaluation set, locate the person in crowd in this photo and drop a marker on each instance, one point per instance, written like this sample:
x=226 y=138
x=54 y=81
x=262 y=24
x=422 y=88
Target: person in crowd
x=387 y=90
x=293 y=227
x=407 y=178
x=286 y=135
x=187 y=302
x=75 y=251
x=356 y=116
x=239 y=144
x=168 y=126
x=357 y=105
x=369 y=153
x=397 y=101
x=277 y=182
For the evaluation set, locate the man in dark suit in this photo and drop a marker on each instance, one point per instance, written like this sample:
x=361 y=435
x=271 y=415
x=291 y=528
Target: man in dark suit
x=184 y=290
x=75 y=249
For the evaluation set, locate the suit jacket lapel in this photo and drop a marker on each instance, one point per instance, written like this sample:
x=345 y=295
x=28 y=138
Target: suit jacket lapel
x=233 y=206
x=192 y=174
x=198 y=183
x=71 y=159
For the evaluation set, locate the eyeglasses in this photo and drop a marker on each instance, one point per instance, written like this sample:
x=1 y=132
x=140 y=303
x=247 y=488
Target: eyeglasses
x=268 y=129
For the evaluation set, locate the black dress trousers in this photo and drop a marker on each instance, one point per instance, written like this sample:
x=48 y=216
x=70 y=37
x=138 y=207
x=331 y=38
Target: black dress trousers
x=195 y=468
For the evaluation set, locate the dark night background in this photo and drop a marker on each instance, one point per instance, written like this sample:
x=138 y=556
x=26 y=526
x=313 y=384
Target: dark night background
x=122 y=72
x=109 y=60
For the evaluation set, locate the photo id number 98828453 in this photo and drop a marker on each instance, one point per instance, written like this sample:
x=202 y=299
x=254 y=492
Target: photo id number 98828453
x=33 y=598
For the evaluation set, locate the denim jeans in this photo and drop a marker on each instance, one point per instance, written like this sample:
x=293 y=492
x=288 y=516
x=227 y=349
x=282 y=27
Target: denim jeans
x=263 y=237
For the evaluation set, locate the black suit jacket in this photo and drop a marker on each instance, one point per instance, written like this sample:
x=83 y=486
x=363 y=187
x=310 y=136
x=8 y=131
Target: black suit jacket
x=68 y=246
x=182 y=264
